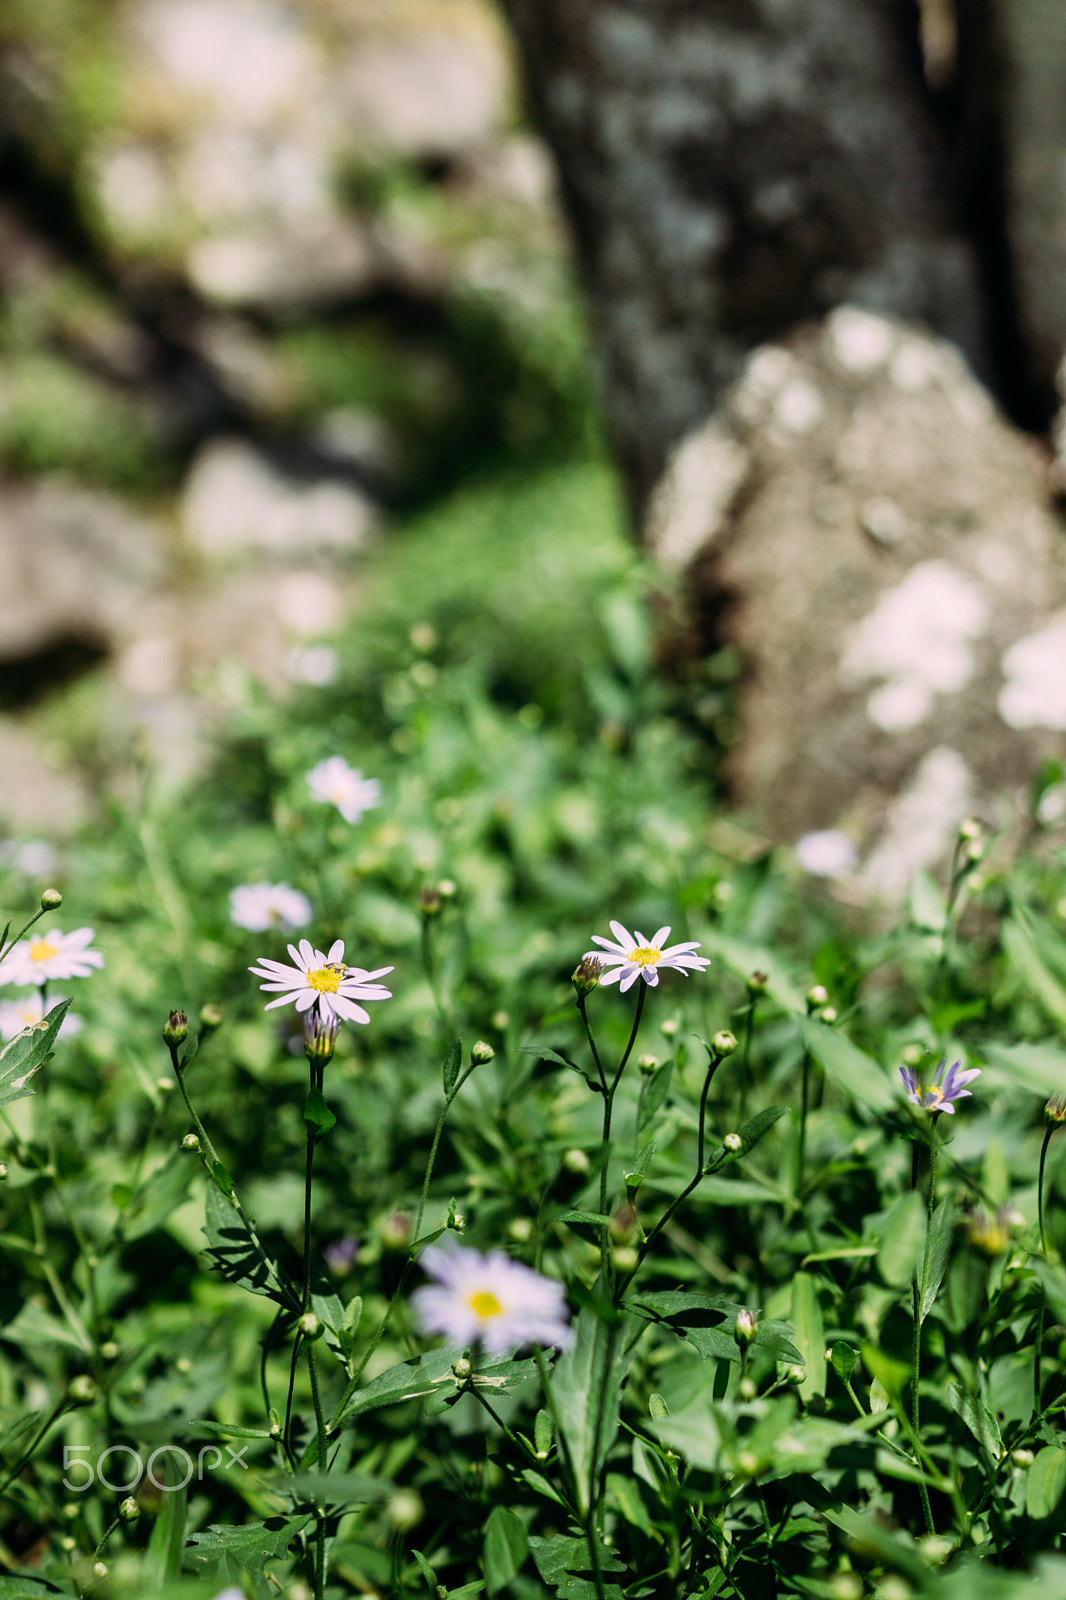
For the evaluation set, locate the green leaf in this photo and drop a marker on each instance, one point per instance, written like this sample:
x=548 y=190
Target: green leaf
x=1046 y=1482
x=928 y=907
x=594 y=1219
x=706 y=1322
x=542 y=1432
x=846 y=1252
x=850 y=1068
x=336 y=1488
x=870 y=1536
x=937 y=1251
x=411 y=1380
x=744 y=959
x=162 y=1559
x=540 y=1485
x=843 y=1360
x=625 y=1495
x=1039 y=1068
x=28 y=1588
x=977 y=1417
x=238 y=1255
x=653 y=1092
x=34 y=1325
x=1025 y=958
x=902 y=1239
x=27 y=1053
x=889 y=1373
x=810 y=1333
x=542 y=1053
x=251 y=1545
x=506 y=1548
x=566 y=1566
x=317 y=1113
x=587 y=1385
x=750 y=1135
x=694 y=1432
x=228 y=1430
x=222 y=1178
x=452 y=1063
x=158 y=1197
x=426 y=1571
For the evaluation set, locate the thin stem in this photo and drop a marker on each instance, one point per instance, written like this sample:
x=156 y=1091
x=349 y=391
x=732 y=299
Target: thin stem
x=11 y=943
x=433 y=1147
x=916 y=1350
x=801 y=1146
x=28 y=1453
x=429 y=967
x=609 y=1091
x=1038 y=1350
x=1048 y=1131
x=323 y=1467
x=715 y=1062
x=592 y=1043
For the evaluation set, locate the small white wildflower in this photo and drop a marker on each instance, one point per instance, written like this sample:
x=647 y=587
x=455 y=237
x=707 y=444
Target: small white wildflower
x=321 y=980
x=340 y=785
x=259 y=906
x=826 y=854
x=632 y=958
x=53 y=955
x=27 y=1010
x=489 y=1298
x=316 y=664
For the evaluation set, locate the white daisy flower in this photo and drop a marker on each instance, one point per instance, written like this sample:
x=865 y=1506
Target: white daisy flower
x=51 y=955
x=632 y=958
x=322 y=980
x=489 y=1298
x=340 y=785
x=259 y=906
x=28 y=1010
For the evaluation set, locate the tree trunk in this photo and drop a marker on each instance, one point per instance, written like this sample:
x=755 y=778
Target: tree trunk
x=732 y=168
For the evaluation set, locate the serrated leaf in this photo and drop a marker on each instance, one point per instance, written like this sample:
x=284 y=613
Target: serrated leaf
x=506 y=1548
x=587 y=1386
x=238 y=1255
x=566 y=1566
x=251 y=1545
x=317 y=1113
x=453 y=1061
x=937 y=1251
x=27 y=1053
x=851 y=1069
x=1046 y=1482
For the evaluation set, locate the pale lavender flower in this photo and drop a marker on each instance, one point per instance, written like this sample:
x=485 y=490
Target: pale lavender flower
x=52 y=955
x=340 y=1255
x=947 y=1086
x=340 y=785
x=321 y=980
x=490 y=1298
x=632 y=958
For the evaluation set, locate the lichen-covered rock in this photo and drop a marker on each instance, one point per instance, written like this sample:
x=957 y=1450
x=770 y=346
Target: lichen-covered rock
x=880 y=546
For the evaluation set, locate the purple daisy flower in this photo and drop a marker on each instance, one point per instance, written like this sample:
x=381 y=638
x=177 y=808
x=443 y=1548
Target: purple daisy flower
x=946 y=1087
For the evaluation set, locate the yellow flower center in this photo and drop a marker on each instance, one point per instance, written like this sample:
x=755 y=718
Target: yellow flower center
x=327 y=980
x=645 y=956
x=41 y=950
x=930 y=1098
x=484 y=1304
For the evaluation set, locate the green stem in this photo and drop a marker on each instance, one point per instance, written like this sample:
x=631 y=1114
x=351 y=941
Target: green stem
x=28 y=1453
x=323 y=1467
x=916 y=1352
x=1038 y=1346
x=11 y=943
x=1040 y=1188
x=675 y=1205
x=801 y=1146
x=609 y=1091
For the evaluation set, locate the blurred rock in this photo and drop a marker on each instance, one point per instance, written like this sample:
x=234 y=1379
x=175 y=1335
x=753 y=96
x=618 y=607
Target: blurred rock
x=38 y=795
x=74 y=564
x=329 y=261
x=430 y=91
x=234 y=501
x=876 y=540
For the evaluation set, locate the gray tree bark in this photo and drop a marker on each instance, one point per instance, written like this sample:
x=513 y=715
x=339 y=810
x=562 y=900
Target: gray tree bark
x=731 y=168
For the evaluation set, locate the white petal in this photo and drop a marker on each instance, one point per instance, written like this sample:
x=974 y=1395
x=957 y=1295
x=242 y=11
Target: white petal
x=621 y=934
x=658 y=939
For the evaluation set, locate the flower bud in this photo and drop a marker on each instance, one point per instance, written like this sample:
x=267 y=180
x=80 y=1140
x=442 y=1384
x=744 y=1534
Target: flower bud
x=748 y=1463
x=624 y=1258
x=164 y=1085
x=481 y=1053
x=462 y=1371
x=747 y=1388
x=970 y=829
x=446 y=889
x=746 y=1327
x=520 y=1229
x=129 y=1510
x=191 y=1141
x=176 y=1028
x=796 y=1374
x=99 y=1569
x=668 y=1028
x=828 y=1015
x=586 y=975
x=1022 y=1458
x=632 y=1181
x=109 y=1350
x=989 y=1235
x=309 y=1326
x=974 y=851
x=724 y=1043
x=576 y=1161
x=622 y=1227
x=817 y=996
x=320 y=1036
x=396 y=1231
x=82 y=1391
x=210 y=1018
x=3 y=1169
x=648 y=1064
x=68 y=1543
x=1055 y=1110
x=429 y=902
x=404 y=1509
x=733 y=1141
x=51 y=900
x=757 y=982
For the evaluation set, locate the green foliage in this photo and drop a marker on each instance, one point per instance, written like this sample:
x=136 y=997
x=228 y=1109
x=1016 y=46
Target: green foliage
x=904 y=1333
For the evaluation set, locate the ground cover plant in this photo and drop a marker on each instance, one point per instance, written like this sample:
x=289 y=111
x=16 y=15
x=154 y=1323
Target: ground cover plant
x=584 y=1205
